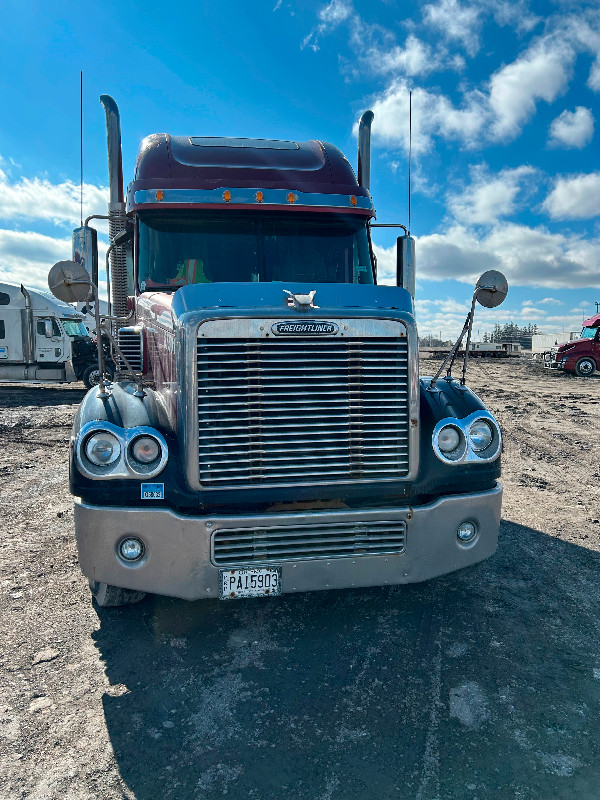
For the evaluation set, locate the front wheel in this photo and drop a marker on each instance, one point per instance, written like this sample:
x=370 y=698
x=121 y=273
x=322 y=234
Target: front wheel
x=107 y=596
x=585 y=367
x=91 y=375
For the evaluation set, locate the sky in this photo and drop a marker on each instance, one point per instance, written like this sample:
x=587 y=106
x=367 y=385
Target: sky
x=505 y=168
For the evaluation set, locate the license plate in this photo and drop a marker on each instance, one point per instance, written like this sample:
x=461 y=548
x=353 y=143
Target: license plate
x=253 y=582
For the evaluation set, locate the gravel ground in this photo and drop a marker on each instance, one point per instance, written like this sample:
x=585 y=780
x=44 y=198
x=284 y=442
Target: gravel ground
x=481 y=684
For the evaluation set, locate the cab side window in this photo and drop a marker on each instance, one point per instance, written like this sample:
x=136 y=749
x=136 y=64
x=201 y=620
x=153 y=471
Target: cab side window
x=2 y=329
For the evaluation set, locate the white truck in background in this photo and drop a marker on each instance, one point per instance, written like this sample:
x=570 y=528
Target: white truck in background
x=43 y=340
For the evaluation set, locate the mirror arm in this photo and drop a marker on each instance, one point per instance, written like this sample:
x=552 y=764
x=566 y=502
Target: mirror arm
x=102 y=391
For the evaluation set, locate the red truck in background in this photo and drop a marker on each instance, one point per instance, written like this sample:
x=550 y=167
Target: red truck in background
x=581 y=356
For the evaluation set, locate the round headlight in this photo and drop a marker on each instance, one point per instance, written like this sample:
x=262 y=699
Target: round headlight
x=448 y=439
x=466 y=532
x=480 y=435
x=131 y=549
x=102 y=448
x=145 y=450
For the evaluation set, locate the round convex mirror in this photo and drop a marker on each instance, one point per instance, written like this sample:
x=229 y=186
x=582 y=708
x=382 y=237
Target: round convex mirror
x=491 y=289
x=60 y=281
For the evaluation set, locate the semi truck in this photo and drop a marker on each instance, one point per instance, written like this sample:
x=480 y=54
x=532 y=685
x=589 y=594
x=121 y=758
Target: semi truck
x=580 y=356
x=42 y=339
x=268 y=431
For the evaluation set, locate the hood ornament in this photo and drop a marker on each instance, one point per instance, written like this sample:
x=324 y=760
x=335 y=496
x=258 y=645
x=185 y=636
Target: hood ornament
x=301 y=302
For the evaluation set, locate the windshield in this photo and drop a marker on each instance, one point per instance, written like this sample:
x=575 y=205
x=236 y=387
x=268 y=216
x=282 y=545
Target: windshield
x=588 y=333
x=74 y=327
x=179 y=249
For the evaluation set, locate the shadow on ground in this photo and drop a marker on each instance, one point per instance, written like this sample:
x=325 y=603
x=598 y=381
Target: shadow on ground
x=482 y=684
x=14 y=395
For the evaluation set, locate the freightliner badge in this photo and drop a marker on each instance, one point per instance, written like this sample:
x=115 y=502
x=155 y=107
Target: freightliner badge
x=304 y=328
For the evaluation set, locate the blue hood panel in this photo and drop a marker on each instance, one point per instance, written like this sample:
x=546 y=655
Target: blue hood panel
x=271 y=295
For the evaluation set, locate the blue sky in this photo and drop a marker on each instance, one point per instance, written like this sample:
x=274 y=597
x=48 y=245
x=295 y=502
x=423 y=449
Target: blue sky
x=506 y=170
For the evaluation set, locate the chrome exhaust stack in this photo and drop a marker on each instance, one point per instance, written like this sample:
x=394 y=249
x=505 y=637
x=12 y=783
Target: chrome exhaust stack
x=117 y=220
x=364 y=150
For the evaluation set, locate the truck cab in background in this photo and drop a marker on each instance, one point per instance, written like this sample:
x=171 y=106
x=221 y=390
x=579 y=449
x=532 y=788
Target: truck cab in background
x=41 y=338
x=268 y=431
x=579 y=356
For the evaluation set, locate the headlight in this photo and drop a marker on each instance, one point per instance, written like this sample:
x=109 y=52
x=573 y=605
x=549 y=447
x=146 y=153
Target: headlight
x=145 y=450
x=448 y=439
x=102 y=448
x=480 y=435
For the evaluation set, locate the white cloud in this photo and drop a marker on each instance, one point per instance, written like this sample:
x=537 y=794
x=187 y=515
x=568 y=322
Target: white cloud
x=330 y=16
x=488 y=197
x=593 y=80
x=27 y=256
x=516 y=14
x=573 y=129
x=575 y=197
x=38 y=198
x=551 y=301
x=455 y=22
x=527 y=256
x=541 y=73
x=415 y=58
x=433 y=114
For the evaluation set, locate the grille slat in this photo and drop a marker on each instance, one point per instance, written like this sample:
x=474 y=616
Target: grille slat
x=270 y=412
x=242 y=546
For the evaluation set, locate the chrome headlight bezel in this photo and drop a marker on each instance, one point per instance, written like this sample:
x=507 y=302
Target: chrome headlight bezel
x=466 y=453
x=125 y=466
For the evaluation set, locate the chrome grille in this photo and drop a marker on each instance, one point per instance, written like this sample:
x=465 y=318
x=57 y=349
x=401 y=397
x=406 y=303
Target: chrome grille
x=302 y=410
x=130 y=342
x=239 y=546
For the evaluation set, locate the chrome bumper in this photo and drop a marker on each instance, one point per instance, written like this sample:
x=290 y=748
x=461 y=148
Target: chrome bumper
x=178 y=558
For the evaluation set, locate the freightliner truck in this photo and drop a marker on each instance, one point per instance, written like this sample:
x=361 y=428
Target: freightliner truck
x=269 y=431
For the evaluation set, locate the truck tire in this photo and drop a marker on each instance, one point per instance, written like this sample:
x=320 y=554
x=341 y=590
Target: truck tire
x=107 y=596
x=91 y=375
x=585 y=367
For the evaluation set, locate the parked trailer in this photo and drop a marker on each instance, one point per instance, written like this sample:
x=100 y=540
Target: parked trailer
x=42 y=339
x=495 y=350
x=277 y=437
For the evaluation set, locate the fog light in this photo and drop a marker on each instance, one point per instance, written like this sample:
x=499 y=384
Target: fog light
x=466 y=532
x=131 y=549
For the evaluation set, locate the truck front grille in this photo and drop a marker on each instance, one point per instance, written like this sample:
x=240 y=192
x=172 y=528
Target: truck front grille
x=302 y=410
x=240 y=546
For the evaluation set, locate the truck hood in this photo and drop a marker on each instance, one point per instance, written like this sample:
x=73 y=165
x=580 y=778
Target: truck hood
x=273 y=295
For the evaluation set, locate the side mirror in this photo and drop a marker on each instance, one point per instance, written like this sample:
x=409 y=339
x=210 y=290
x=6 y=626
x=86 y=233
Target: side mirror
x=48 y=333
x=85 y=250
x=69 y=282
x=405 y=263
x=491 y=289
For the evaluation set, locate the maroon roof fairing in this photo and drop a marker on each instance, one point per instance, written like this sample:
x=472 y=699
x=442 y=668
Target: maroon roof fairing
x=181 y=162
x=592 y=322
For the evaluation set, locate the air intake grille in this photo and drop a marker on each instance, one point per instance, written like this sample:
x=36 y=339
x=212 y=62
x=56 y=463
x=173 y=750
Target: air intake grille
x=302 y=410
x=240 y=546
x=130 y=342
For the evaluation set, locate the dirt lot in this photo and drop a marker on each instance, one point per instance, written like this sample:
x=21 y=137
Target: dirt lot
x=481 y=684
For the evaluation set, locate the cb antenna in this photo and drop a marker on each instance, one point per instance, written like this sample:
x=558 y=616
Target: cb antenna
x=81 y=141
x=409 y=152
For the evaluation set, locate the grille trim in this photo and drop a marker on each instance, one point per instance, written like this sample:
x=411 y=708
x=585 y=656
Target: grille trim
x=257 y=397
x=241 y=547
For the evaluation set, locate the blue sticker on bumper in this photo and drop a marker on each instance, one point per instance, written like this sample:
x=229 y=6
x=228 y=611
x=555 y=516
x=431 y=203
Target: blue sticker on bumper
x=153 y=491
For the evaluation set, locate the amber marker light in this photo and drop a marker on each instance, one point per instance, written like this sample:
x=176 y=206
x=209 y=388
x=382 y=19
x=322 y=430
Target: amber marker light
x=353 y=200
x=259 y=197
x=159 y=194
x=227 y=195
x=291 y=198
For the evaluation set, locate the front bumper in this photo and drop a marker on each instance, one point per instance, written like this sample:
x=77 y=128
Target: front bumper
x=178 y=557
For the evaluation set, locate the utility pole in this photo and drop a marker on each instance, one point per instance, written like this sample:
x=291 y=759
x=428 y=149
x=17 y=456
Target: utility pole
x=597 y=305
